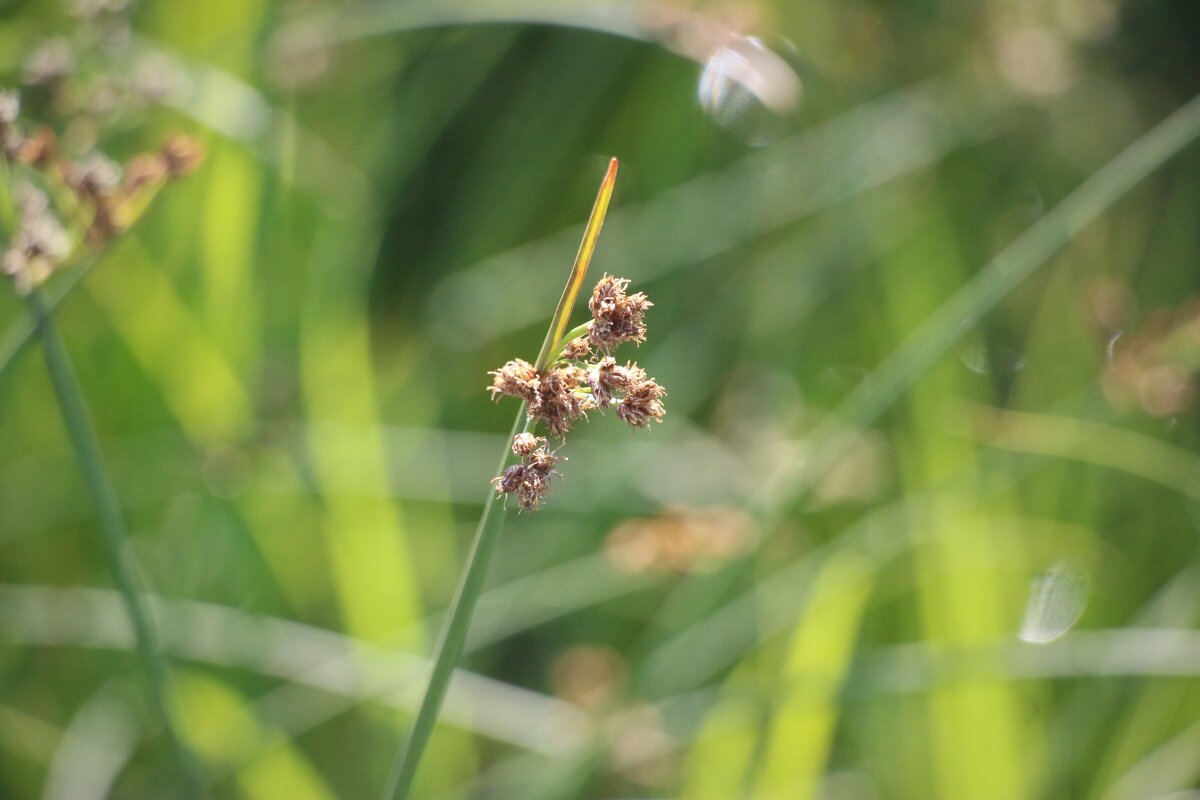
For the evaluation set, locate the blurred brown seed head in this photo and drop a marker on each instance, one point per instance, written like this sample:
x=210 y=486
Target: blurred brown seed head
x=50 y=62
x=10 y=107
x=39 y=244
x=93 y=176
x=144 y=169
x=39 y=148
x=588 y=675
x=680 y=540
x=641 y=748
x=181 y=154
x=1154 y=367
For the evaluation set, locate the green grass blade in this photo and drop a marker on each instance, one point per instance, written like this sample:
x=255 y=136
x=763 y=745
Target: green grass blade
x=995 y=281
x=487 y=534
x=583 y=260
x=23 y=330
x=112 y=525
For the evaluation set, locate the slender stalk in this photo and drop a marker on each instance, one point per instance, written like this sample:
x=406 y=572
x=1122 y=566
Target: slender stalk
x=454 y=636
x=24 y=329
x=574 y=333
x=487 y=534
x=121 y=561
x=583 y=259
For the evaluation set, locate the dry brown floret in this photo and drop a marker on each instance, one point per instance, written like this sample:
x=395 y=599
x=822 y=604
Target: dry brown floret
x=641 y=404
x=561 y=395
x=606 y=377
x=577 y=349
x=525 y=443
x=544 y=462
x=616 y=317
x=533 y=489
x=527 y=481
x=559 y=400
x=517 y=379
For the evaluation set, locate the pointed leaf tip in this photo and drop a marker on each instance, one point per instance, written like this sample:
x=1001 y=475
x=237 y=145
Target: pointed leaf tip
x=579 y=269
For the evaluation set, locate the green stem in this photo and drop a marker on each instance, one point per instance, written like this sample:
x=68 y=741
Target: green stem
x=24 y=329
x=568 y=337
x=454 y=635
x=108 y=510
x=487 y=534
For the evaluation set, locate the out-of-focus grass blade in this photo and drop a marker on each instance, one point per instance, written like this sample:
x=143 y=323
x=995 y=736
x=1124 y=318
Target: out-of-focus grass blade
x=579 y=269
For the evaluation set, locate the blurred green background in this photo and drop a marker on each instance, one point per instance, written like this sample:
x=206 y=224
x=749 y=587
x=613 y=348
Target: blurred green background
x=917 y=525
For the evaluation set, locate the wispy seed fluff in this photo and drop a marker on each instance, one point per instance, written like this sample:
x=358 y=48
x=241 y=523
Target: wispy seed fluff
x=578 y=380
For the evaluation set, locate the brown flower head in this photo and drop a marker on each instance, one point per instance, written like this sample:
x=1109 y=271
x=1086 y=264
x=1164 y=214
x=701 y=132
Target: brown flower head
x=510 y=480
x=559 y=400
x=606 y=377
x=38 y=245
x=577 y=381
x=144 y=169
x=577 y=349
x=517 y=379
x=544 y=461
x=616 y=317
x=92 y=177
x=533 y=489
x=39 y=148
x=525 y=443
x=529 y=480
x=641 y=403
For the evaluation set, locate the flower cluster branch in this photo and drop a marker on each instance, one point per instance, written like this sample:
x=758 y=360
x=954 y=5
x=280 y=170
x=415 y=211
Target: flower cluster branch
x=59 y=204
x=582 y=377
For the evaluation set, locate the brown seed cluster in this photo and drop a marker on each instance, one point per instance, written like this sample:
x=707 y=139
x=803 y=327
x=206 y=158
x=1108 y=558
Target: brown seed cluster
x=39 y=242
x=529 y=480
x=555 y=396
x=637 y=398
x=95 y=195
x=616 y=317
x=578 y=381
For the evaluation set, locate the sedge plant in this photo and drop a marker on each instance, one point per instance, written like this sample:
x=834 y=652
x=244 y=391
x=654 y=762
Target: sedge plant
x=574 y=372
x=56 y=211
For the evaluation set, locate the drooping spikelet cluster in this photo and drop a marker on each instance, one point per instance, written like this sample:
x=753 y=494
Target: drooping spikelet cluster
x=576 y=381
x=529 y=479
x=94 y=198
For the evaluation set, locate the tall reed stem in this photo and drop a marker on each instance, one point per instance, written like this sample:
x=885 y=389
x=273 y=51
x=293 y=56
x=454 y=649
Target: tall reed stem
x=487 y=534
x=121 y=561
